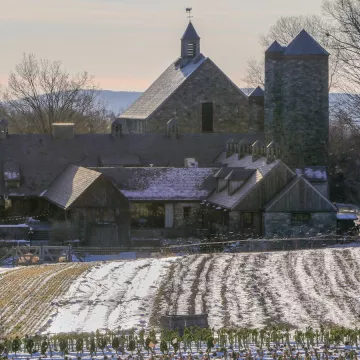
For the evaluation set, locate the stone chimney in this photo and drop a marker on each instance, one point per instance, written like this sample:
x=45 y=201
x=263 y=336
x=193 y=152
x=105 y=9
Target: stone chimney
x=63 y=130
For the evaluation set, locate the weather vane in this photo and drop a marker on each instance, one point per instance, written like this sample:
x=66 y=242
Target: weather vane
x=188 y=12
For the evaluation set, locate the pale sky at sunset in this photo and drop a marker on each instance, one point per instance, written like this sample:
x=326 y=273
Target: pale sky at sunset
x=127 y=44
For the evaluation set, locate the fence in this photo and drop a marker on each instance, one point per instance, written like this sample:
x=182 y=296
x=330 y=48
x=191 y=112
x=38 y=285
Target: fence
x=31 y=255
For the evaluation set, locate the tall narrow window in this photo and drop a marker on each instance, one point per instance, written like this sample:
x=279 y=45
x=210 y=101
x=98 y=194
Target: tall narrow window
x=207 y=117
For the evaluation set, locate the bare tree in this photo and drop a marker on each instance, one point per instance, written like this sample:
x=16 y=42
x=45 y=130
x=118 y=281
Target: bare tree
x=255 y=73
x=41 y=92
x=344 y=32
x=284 y=30
x=344 y=163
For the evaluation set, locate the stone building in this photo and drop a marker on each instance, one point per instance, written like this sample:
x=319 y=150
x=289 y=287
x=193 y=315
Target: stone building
x=195 y=92
x=297 y=100
x=190 y=153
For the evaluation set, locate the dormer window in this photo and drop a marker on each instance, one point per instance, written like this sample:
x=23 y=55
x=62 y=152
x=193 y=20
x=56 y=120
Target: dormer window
x=221 y=184
x=272 y=152
x=244 y=148
x=258 y=150
x=231 y=147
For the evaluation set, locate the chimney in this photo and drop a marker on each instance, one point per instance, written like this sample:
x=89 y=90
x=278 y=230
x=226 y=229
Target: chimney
x=63 y=130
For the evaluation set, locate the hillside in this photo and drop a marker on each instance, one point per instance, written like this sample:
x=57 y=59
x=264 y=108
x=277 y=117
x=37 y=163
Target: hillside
x=119 y=101
x=297 y=288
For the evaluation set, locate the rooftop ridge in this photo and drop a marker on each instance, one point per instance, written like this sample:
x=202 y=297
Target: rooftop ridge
x=304 y=44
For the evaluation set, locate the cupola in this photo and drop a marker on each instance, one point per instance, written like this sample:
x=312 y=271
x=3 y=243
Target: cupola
x=190 y=44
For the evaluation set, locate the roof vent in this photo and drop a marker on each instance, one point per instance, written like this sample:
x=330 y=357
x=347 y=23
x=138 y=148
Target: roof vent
x=191 y=163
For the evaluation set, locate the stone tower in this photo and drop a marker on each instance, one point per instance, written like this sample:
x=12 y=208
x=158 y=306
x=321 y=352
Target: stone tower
x=297 y=100
x=190 y=44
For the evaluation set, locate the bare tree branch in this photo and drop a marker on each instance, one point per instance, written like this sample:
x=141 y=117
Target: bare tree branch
x=41 y=92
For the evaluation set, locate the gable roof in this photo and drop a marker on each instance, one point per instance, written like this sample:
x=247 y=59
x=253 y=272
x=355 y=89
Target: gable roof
x=304 y=44
x=168 y=82
x=150 y=183
x=190 y=33
x=275 y=47
x=69 y=185
x=289 y=186
x=257 y=92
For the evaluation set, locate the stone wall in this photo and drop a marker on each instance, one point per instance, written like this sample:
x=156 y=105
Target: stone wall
x=297 y=107
x=256 y=114
x=279 y=224
x=207 y=84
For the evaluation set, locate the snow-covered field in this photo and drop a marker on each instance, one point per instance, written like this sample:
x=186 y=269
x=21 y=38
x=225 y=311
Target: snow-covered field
x=297 y=288
x=110 y=295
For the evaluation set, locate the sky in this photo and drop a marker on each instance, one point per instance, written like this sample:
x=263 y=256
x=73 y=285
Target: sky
x=127 y=44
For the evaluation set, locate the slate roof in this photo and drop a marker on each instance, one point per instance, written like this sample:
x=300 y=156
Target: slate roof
x=162 y=88
x=254 y=172
x=239 y=174
x=162 y=184
x=304 y=44
x=71 y=183
x=41 y=158
x=275 y=47
x=257 y=92
x=190 y=33
x=227 y=201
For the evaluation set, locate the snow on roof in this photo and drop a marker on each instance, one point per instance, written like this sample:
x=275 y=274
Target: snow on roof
x=313 y=173
x=346 y=216
x=11 y=171
x=153 y=183
x=162 y=88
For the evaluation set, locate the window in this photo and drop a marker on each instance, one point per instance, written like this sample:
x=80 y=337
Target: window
x=248 y=219
x=186 y=212
x=300 y=218
x=148 y=215
x=12 y=183
x=207 y=117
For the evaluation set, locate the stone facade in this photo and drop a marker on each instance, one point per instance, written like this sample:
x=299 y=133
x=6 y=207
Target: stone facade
x=297 y=107
x=279 y=224
x=207 y=84
x=192 y=217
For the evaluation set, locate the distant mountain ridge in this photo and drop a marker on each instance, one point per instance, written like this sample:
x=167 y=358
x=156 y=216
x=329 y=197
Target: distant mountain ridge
x=119 y=101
